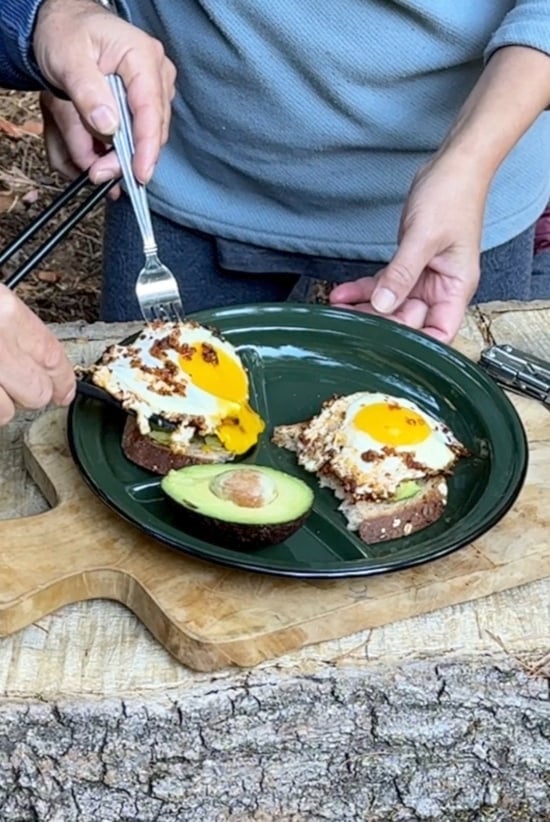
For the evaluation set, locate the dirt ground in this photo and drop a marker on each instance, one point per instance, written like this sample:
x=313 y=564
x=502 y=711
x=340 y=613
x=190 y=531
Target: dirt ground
x=67 y=285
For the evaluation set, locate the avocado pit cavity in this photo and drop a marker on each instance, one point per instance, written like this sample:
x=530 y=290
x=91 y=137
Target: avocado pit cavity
x=247 y=487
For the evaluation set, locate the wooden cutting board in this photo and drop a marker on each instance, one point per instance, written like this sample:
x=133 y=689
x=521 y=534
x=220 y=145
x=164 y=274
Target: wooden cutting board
x=209 y=616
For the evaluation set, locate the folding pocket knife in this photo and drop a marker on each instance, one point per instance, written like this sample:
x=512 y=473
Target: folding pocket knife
x=518 y=371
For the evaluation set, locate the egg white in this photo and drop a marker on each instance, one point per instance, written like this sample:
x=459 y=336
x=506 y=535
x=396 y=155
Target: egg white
x=177 y=399
x=332 y=446
x=434 y=452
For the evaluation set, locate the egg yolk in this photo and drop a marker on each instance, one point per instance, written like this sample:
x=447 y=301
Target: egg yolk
x=392 y=424
x=239 y=433
x=214 y=371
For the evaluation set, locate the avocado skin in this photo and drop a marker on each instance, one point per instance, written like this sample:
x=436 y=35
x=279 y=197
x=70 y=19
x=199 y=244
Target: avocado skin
x=232 y=535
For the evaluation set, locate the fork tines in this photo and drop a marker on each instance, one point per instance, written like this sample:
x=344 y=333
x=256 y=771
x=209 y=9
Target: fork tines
x=163 y=312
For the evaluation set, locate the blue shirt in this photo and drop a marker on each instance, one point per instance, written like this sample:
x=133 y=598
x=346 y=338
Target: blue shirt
x=300 y=125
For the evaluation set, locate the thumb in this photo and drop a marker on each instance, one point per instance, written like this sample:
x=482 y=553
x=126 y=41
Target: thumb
x=397 y=280
x=89 y=90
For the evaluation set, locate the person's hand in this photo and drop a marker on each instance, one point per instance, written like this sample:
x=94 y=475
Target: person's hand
x=435 y=270
x=95 y=43
x=34 y=370
x=71 y=148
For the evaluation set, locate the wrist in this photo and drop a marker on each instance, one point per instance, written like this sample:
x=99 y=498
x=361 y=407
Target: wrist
x=465 y=166
x=51 y=7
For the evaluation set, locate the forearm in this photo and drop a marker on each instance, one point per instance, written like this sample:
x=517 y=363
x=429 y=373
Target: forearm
x=512 y=92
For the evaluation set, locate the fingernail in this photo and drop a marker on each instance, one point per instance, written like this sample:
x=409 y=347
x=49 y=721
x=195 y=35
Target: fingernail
x=383 y=300
x=102 y=177
x=104 y=120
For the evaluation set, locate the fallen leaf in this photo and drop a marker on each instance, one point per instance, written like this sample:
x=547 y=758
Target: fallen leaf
x=48 y=276
x=32 y=127
x=9 y=128
x=31 y=196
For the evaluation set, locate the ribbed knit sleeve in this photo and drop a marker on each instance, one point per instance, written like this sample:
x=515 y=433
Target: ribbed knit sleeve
x=17 y=66
x=527 y=24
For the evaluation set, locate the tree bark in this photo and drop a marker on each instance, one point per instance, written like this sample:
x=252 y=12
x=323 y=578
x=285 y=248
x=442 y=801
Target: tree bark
x=453 y=740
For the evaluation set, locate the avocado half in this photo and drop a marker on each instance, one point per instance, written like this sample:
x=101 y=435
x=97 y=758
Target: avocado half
x=239 y=506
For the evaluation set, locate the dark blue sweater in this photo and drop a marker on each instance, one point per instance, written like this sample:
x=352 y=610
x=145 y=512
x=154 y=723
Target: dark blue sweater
x=17 y=66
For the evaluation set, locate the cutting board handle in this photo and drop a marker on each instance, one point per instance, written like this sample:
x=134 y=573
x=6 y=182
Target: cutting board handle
x=51 y=467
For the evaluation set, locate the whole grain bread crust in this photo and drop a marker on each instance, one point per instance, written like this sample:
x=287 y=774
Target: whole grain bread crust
x=398 y=519
x=158 y=458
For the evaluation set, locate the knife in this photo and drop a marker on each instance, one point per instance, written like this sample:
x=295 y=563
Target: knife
x=518 y=371
x=89 y=389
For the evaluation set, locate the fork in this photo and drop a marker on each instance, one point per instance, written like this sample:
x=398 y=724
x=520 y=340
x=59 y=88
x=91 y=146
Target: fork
x=157 y=290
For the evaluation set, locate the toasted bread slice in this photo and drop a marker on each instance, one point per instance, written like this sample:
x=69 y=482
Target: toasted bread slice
x=155 y=456
x=383 y=519
x=390 y=519
x=380 y=521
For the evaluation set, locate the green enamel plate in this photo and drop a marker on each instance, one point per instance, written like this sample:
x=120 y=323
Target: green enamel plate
x=297 y=356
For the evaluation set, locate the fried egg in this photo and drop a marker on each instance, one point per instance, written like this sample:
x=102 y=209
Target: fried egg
x=372 y=442
x=188 y=374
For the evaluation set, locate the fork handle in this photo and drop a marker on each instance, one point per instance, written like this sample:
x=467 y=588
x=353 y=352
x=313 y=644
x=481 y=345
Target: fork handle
x=124 y=147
